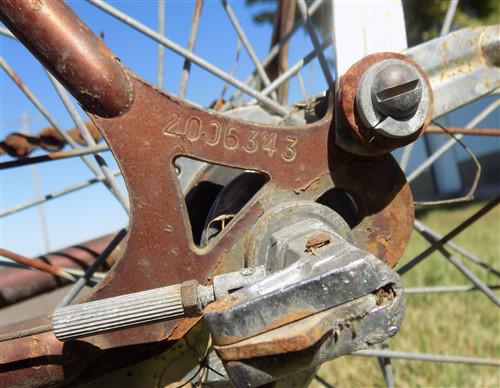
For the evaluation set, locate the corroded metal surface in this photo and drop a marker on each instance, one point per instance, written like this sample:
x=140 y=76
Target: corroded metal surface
x=20 y=145
x=351 y=134
x=149 y=133
x=19 y=284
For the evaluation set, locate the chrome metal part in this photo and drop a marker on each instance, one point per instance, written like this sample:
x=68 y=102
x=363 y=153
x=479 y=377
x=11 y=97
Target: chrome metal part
x=141 y=308
x=397 y=90
x=393 y=99
x=462 y=66
x=86 y=319
x=331 y=299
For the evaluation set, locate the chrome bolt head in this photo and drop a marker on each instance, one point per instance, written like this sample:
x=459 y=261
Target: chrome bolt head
x=397 y=90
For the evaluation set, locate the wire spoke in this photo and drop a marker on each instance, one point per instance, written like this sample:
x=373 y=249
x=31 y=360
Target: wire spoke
x=412 y=356
x=459 y=265
x=186 y=69
x=55 y=194
x=273 y=52
x=109 y=179
x=271 y=104
x=306 y=16
x=36 y=102
x=457 y=230
x=292 y=70
x=53 y=156
x=445 y=289
x=421 y=226
x=248 y=46
x=160 y=56
x=80 y=283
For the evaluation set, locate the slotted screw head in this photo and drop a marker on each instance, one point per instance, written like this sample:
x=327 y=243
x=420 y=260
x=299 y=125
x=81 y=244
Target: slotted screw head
x=396 y=90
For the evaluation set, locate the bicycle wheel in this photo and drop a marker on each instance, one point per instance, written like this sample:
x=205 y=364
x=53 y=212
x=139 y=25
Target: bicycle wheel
x=190 y=172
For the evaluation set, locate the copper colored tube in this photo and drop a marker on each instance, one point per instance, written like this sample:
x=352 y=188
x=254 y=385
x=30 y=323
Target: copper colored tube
x=466 y=131
x=71 y=52
x=37 y=264
x=19 y=284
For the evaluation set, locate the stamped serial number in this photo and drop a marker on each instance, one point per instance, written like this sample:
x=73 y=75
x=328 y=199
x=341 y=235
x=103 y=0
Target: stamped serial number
x=213 y=134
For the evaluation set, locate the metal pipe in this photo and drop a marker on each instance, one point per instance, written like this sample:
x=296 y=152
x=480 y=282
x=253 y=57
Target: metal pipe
x=72 y=53
x=37 y=264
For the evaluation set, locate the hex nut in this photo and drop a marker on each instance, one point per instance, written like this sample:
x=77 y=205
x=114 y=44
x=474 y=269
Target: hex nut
x=189 y=298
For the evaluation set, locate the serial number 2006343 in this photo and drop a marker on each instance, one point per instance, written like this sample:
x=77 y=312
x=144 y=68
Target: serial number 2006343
x=269 y=143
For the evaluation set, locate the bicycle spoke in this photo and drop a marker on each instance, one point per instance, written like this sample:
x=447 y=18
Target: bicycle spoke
x=248 y=46
x=55 y=194
x=462 y=268
x=53 y=156
x=292 y=71
x=80 y=283
x=109 y=179
x=448 y=19
x=186 y=69
x=445 y=289
x=306 y=16
x=160 y=56
x=273 y=52
x=273 y=105
x=413 y=356
x=421 y=226
x=10 y=72
x=386 y=367
x=457 y=230
x=37 y=264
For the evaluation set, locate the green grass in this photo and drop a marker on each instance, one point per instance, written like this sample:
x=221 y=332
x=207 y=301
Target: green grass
x=456 y=324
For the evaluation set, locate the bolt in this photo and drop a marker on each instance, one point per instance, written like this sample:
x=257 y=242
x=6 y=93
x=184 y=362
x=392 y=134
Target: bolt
x=396 y=90
x=247 y=271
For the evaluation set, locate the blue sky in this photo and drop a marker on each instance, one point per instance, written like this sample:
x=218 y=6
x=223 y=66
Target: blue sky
x=93 y=212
